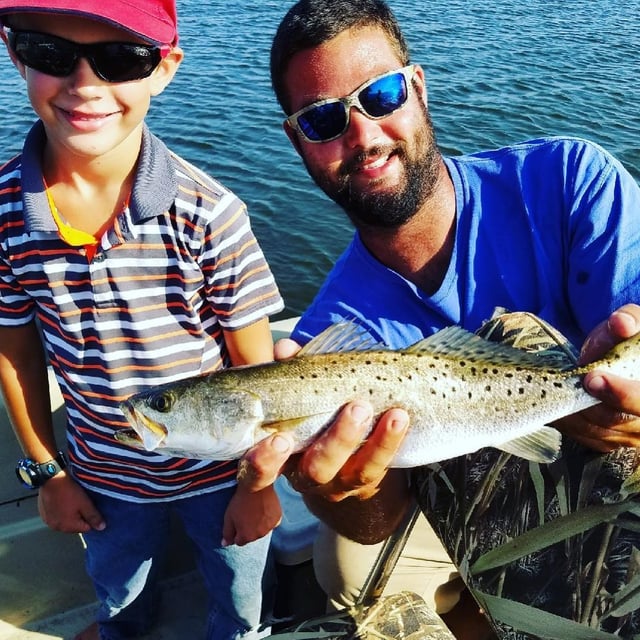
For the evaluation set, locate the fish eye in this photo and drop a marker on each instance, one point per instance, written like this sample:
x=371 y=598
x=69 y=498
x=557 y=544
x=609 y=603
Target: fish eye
x=161 y=402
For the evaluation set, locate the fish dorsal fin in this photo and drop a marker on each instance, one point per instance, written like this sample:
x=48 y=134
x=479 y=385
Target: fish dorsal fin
x=342 y=336
x=456 y=342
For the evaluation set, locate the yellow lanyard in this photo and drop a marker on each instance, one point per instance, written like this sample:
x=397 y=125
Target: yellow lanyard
x=72 y=236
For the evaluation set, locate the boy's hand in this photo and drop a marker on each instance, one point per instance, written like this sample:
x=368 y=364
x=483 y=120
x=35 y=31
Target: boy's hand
x=250 y=515
x=65 y=506
x=616 y=422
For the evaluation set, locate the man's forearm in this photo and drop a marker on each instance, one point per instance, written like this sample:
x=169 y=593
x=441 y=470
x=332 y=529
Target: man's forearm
x=366 y=521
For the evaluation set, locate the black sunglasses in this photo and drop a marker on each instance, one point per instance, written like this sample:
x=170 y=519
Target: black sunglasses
x=110 y=61
x=377 y=98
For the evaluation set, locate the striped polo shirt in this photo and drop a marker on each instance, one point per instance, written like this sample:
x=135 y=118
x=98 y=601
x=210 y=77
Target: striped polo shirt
x=179 y=264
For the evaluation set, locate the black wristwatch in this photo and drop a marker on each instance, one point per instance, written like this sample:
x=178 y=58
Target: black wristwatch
x=34 y=475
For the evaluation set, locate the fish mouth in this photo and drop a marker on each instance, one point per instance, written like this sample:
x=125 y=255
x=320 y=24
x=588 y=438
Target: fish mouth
x=145 y=433
x=129 y=437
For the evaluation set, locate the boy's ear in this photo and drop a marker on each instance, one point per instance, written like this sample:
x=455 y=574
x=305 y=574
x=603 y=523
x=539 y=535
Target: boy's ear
x=16 y=63
x=164 y=72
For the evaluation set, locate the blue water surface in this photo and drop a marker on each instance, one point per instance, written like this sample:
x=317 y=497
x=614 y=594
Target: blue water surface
x=498 y=72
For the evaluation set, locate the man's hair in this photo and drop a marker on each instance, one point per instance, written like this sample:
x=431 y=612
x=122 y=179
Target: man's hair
x=310 y=23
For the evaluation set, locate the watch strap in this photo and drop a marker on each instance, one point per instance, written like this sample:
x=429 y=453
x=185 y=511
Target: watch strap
x=54 y=466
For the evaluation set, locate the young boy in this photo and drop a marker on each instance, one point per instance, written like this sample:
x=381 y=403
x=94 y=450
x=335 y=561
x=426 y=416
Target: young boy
x=139 y=270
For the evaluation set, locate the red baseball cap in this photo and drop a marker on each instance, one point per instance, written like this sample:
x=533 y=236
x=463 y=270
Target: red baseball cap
x=153 y=20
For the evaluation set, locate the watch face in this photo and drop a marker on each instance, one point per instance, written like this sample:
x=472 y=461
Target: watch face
x=25 y=474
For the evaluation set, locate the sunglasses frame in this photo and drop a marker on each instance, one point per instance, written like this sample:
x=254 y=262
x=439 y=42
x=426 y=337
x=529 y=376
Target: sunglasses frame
x=88 y=51
x=352 y=100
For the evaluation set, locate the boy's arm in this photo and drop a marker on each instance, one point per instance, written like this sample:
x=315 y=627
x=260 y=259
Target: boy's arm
x=250 y=514
x=63 y=504
x=25 y=387
x=250 y=345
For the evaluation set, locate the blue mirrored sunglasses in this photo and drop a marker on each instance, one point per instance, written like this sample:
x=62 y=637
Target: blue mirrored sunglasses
x=378 y=98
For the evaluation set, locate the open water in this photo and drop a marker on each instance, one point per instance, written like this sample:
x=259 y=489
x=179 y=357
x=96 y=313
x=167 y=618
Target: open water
x=499 y=71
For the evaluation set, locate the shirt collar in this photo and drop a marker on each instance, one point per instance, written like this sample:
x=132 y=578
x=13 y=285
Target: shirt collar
x=154 y=189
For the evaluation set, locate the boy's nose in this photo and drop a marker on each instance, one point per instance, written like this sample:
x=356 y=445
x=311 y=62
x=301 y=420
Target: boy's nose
x=83 y=73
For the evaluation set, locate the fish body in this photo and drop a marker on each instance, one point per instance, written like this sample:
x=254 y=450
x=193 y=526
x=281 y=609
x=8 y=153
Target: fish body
x=462 y=393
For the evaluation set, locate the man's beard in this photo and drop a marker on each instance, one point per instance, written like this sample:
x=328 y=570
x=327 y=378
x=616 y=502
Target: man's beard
x=392 y=208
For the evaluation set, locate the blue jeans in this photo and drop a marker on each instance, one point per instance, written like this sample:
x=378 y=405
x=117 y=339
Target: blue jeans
x=124 y=560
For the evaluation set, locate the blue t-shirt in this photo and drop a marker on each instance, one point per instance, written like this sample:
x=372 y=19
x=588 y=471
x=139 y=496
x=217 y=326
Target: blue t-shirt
x=550 y=226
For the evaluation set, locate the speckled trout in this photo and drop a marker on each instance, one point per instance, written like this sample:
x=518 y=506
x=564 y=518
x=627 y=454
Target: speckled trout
x=462 y=393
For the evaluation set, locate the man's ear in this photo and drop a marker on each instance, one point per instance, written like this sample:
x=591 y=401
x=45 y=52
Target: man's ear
x=163 y=74
x=292 y=134
x=420 y=83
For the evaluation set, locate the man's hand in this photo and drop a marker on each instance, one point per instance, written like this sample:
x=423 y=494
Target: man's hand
x=616 y=422
x=339 y=467
x=338 y=464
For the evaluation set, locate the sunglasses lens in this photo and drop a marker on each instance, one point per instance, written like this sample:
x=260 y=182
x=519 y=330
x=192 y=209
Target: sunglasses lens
x=384 y=96
x=111 y=61
x=121 y=62
x=323 y=122
x=44 y=53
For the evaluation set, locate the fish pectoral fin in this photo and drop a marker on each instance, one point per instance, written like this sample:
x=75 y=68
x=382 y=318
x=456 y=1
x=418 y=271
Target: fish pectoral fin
x=318 y=420
x=542 y=445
